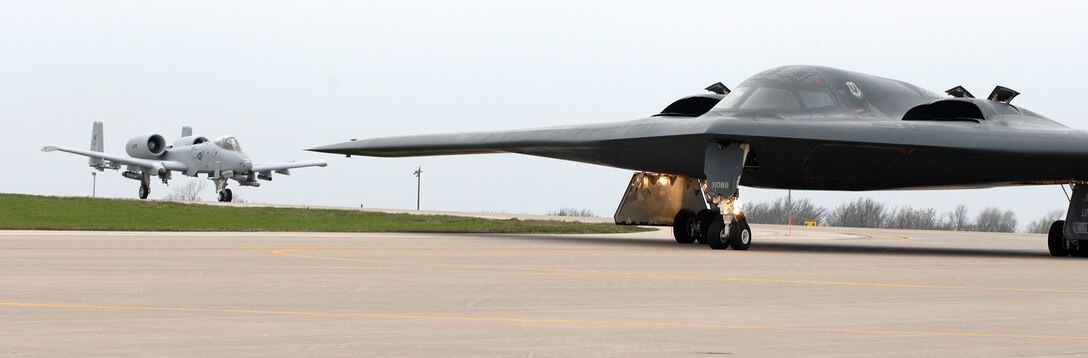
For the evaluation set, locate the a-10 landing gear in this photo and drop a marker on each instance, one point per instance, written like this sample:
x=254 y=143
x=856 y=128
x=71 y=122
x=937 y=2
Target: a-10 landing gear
x=145 y=190
x=225 y=196
x=145 y=184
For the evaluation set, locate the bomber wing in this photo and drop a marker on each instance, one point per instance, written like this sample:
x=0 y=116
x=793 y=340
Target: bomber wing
x=797 y=154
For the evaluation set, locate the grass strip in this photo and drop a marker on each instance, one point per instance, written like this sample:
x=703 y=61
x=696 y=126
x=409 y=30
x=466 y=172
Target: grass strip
x=30 y=212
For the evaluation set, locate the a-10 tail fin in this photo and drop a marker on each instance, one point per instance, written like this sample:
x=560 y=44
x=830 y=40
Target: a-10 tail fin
x=186 y=131
x=97 y=146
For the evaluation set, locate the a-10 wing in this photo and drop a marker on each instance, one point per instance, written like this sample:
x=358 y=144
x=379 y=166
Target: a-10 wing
x=282 y=167
x=156 y=165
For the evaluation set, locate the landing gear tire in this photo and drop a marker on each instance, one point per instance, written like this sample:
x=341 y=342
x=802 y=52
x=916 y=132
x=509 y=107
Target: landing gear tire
x=684 y=227
x=144 y=191
x=740 y=235
x=1079 y=250
x=706 y=217
x=716 y=236
x=225 y=196
x=1056 y=240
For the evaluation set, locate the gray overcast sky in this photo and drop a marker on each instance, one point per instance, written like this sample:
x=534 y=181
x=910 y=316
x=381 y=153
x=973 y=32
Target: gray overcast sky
x=285 y=76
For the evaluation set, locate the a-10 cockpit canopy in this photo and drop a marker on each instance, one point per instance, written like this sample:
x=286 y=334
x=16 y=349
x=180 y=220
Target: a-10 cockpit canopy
x=228 y=143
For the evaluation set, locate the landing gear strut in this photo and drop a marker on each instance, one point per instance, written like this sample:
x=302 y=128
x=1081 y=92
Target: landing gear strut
x=723 y=168
x=145 y=185
x=225 y=195
x=722 y=225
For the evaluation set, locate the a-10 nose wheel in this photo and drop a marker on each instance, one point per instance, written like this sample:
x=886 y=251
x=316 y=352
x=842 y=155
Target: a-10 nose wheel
x=739 y=235
x=226 y=196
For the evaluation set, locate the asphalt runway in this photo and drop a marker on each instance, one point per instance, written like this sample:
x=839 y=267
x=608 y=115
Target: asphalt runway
x=820 y=292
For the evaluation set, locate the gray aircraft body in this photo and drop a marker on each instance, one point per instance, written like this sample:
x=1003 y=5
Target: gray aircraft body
x=797 y=127
x=221 y=159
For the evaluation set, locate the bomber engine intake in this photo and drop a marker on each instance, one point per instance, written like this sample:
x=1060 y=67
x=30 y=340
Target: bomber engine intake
x=147 y=146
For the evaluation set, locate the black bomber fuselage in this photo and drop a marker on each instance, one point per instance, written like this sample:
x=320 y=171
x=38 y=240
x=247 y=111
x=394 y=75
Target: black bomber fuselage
x=808 y=127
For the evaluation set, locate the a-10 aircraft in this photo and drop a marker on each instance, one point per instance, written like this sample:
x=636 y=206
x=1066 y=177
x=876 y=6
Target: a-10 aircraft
x=798 y=127
x=221 y=159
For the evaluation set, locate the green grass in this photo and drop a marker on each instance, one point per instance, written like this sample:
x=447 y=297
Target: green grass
x=28 y=212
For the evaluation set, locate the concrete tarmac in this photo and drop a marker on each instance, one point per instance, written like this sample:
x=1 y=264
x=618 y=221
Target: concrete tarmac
x=821 y=292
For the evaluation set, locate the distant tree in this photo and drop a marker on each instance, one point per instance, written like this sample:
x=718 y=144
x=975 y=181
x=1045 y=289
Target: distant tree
x=957 y=220
x=190 y=191
x=863 y=212
x=777 y=212
x=572 y=212
x=914 y=219
x=1042 y=225
x=993 y=220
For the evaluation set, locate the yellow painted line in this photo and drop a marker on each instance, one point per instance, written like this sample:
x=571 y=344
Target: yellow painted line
x=516 y=320
x=291 y=252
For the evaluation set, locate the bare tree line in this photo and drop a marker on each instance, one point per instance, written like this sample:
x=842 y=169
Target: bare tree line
x=572 y=212
x=190 y=191
x=866 y=212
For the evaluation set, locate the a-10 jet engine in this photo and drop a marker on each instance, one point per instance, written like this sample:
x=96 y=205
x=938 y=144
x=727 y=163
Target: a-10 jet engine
x=147 y=146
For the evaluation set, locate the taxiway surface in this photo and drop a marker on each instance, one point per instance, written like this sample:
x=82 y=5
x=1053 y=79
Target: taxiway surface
x=823 y=291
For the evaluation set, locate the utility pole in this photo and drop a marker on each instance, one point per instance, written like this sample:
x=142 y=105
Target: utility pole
x=789 y=209
x=419 y=181
x=94 y=183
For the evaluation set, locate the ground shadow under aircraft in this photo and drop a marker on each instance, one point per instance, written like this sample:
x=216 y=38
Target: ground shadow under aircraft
x=837 y=247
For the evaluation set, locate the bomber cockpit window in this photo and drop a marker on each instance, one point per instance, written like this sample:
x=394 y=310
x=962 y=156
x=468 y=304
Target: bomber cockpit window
x=816 y=99
x=775 y=98
x=733 y=98
x=228 y=143
x=771 y=98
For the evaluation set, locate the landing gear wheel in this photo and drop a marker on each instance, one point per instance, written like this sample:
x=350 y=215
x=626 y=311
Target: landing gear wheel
x=740 y=235
x=1056 y=240
x=1080 y=250
x=684 y=227
x=226 y=195
x=144 y=191
x=705 y=218
x=716 y=236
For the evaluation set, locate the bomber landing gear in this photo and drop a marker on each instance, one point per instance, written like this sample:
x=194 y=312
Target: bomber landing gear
x=722 y=225
x=226 y=196
x=1069 y=237
x=689 y=227
x=738 y=235
x=723 y=168
x=1059 y=246
x=685 y=227
x=1056 y=241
